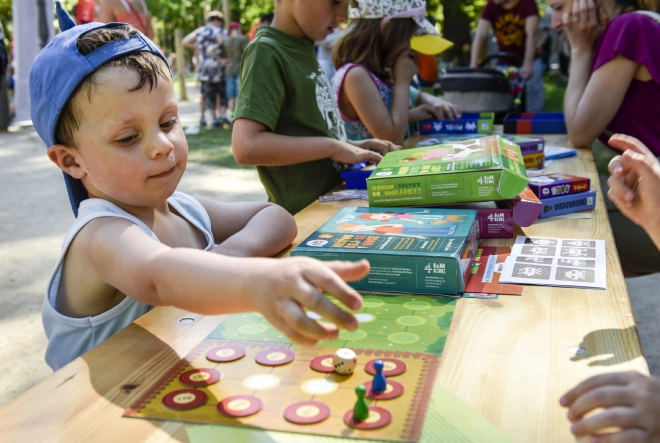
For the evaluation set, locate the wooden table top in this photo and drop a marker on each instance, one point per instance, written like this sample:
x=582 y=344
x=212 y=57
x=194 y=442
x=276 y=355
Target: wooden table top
x=510 y=358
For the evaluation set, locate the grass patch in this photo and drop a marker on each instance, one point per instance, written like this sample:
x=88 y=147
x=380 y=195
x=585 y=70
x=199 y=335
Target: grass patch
x=554 y=94
x=212 y=147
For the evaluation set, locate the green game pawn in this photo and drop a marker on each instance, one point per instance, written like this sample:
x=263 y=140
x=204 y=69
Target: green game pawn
x=361 y=409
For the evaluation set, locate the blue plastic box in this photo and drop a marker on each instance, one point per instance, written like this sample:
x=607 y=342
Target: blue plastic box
x=535 y=123
x=356 y=175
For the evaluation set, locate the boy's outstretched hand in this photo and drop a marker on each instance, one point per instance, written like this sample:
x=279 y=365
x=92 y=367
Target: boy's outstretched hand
x=298 y=283
x=630 y=401
x=350 y=154
x=373 y=144
x=634 y=183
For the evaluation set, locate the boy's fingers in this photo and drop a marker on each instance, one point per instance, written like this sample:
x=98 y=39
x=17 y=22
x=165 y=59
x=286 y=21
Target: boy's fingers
x=618 y=378
x=601 y=397
x=624 y=142
x=625 y=436
x=300 y=323
x=318 y=303
x=350 y=270
x=369 y=156
x=294 y=336
x=618 y=416
x=330 y=282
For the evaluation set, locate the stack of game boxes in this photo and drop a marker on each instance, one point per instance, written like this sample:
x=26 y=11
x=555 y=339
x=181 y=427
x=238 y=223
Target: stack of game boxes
x=562 y=194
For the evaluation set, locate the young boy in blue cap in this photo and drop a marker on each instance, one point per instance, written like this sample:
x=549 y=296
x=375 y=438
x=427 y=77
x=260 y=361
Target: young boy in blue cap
x=103 y=102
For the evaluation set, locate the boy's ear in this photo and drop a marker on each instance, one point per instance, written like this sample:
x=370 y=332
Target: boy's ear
x=67 y=159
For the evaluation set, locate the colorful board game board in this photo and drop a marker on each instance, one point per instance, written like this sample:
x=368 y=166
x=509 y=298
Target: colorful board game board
x=393 y=322
x=291 y=388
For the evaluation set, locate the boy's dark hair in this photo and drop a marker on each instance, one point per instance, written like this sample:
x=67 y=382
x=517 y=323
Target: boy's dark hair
x=147 y=65
x=268 y=17
x=367 y=44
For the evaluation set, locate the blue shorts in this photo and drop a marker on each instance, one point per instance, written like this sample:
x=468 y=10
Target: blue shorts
x=233 y=85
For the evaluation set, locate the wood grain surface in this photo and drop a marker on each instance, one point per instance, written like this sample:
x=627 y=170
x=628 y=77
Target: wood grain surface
x=510 y=359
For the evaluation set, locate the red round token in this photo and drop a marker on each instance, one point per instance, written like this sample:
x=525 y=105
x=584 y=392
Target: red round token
x=225 y=353
x=185 y=399
x=240 y=406
x=275 y=357
x=307 y=412
x=200 y=377
x=378 y=417
x=391 y=367
x=393 y=390
x=322 y=363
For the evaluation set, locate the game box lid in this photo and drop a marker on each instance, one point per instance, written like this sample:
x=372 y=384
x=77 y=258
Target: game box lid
x=483 y=169
x=416 y=250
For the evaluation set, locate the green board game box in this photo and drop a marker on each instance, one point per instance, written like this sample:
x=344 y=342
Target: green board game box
x=411 y=250
x=483 y=169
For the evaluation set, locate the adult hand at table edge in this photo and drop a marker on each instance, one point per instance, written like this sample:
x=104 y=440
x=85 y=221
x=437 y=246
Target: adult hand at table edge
x=628 y=400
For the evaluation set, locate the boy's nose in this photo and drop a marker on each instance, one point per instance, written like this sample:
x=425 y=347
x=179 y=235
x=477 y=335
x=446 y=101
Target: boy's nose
x=161 y=146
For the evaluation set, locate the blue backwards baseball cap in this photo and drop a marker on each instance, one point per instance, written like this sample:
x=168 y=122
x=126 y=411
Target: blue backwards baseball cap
x=59 y=68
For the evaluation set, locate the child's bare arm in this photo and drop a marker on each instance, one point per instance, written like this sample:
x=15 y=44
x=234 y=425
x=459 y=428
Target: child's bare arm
x=253 y=144
x=251 y=229
x=360 y=96
x=119 y=254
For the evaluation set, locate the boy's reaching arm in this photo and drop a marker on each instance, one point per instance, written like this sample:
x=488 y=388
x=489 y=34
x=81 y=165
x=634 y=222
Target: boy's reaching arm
x=119 y=254
x=253 y=144
x=251 y=229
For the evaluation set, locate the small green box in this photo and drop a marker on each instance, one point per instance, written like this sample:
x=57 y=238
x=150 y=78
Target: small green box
x=484 y=169
x=411 y=250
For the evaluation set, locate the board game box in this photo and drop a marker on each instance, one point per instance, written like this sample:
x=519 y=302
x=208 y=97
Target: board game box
x=469 y=123
x=567 y=204
x=494 y=221
x=528 y=145
x=535 y=123
x=485 y=169
x=534 y=160
x=411 y=250
x=554 y=185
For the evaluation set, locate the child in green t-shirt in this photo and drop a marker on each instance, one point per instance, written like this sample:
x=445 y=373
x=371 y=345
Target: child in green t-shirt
x=286 y=120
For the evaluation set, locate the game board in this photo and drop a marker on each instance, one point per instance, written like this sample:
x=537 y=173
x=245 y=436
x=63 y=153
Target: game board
x=393 y=322
x=291 y=388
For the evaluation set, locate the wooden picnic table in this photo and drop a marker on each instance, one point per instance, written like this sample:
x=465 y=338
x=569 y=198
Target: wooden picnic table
x=510 y=359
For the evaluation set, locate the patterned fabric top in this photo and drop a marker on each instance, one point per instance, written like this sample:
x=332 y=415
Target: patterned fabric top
x=210 y=69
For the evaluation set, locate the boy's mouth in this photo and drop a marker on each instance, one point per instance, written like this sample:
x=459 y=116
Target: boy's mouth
x=164 y=174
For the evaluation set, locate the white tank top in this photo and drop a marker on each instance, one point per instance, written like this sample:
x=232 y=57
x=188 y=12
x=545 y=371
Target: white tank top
x=69 y=338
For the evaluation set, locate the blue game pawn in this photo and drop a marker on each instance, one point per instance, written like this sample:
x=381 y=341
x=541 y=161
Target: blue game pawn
x=379 y=383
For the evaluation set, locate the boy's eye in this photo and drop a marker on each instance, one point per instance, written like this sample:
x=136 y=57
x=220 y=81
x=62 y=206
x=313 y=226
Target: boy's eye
x=168 y=124
x=126 y=140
